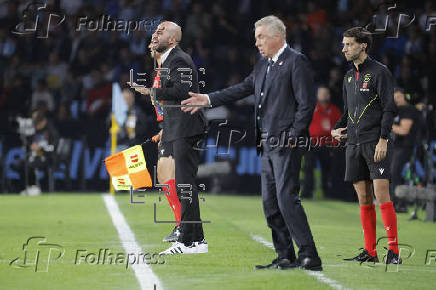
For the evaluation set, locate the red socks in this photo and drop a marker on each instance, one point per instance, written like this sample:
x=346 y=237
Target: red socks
x=173 y=199
x=389 y=218
x=367 y=217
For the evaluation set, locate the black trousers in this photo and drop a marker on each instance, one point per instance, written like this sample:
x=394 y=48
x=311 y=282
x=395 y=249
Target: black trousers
x=400 y=156
x=282 y=205
x=186 y=159
x=33 y=164
x=332 y=162
x=324 y=156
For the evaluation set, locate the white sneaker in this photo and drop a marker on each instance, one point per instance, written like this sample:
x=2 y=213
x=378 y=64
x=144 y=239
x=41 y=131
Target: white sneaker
x=202 y=246
x=181 y=248
x=34 y=190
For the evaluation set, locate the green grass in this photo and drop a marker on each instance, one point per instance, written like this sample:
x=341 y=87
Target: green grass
x=82 y=222
x=72 y=221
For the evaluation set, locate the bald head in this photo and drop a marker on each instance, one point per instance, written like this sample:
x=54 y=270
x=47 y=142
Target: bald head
x=174 y=30
x=167 y=35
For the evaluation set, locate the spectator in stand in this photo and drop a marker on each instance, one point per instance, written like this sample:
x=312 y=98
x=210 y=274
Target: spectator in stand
x=99 y=96
x=42 y=146
x=42 y=94
x=324 y=118
x=56 y=71
x=316 y=17
x=137 y=124
x=81 y=64
x=67 y=126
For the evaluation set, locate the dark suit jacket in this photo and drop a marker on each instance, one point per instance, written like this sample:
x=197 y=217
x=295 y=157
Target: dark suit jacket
x=289 y=100
x=178 y=124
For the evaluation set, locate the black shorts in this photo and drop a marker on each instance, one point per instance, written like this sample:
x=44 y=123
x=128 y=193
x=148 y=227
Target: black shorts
x=360 y=163
x=165 y=149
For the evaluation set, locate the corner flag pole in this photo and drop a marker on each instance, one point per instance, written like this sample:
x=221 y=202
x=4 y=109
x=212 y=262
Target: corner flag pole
x=113 y=131
x=118 y=118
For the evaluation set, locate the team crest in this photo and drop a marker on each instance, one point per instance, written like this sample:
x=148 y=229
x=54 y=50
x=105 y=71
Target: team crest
x=366 y=78
x=349 y=79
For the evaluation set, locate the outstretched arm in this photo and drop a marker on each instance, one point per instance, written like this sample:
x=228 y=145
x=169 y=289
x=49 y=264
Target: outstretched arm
x=218 y=98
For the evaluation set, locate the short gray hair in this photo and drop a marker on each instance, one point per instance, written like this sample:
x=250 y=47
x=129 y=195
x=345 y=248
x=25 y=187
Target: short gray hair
x=274 y=24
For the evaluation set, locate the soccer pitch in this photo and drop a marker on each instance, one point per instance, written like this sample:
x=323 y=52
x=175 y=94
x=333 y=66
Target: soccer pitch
x=79 y=243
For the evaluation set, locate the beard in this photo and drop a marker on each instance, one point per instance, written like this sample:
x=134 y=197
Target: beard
x=355 y=56
x=162 y=46
x=352 y=57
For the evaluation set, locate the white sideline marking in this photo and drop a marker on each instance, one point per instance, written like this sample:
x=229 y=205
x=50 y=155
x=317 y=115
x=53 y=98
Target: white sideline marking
x=318 y=275
x=145 y=276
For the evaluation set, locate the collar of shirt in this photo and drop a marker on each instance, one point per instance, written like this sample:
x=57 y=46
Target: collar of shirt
x=278 y=53
x=165 y=55
x=363 y=64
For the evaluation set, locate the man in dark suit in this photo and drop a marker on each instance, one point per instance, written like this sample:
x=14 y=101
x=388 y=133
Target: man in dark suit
x=282 y=84
x=181 y=132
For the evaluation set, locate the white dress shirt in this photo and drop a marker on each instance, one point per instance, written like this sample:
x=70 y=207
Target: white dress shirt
x=278 y=53
x=165 y=55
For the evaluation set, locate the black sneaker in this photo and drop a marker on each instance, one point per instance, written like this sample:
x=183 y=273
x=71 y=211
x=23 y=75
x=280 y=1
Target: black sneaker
x=173 y=236
x=392 y=258
x=363 y=257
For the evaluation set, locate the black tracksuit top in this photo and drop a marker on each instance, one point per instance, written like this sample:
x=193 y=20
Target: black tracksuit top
x=369 y=106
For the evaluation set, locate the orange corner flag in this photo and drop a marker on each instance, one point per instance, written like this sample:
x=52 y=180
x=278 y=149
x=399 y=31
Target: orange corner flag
x=128 y=168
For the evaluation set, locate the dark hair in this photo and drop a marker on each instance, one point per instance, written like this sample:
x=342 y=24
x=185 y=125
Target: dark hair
x=407 y=96
x=323 y=85
x=38 y=115
x=361 y=35
x=401 y=90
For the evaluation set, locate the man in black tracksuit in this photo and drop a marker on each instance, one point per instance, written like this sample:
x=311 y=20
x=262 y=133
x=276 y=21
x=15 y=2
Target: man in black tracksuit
x=369 y=110
x=406 y=136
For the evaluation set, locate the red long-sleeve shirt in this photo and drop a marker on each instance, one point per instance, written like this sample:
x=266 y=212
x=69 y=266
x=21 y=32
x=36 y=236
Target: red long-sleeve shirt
x=323 y=120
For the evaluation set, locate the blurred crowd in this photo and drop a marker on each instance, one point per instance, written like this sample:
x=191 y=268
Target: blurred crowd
x=67 y=77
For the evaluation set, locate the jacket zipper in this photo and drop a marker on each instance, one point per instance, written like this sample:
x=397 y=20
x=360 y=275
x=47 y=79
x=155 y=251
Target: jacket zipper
x=357 y=107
